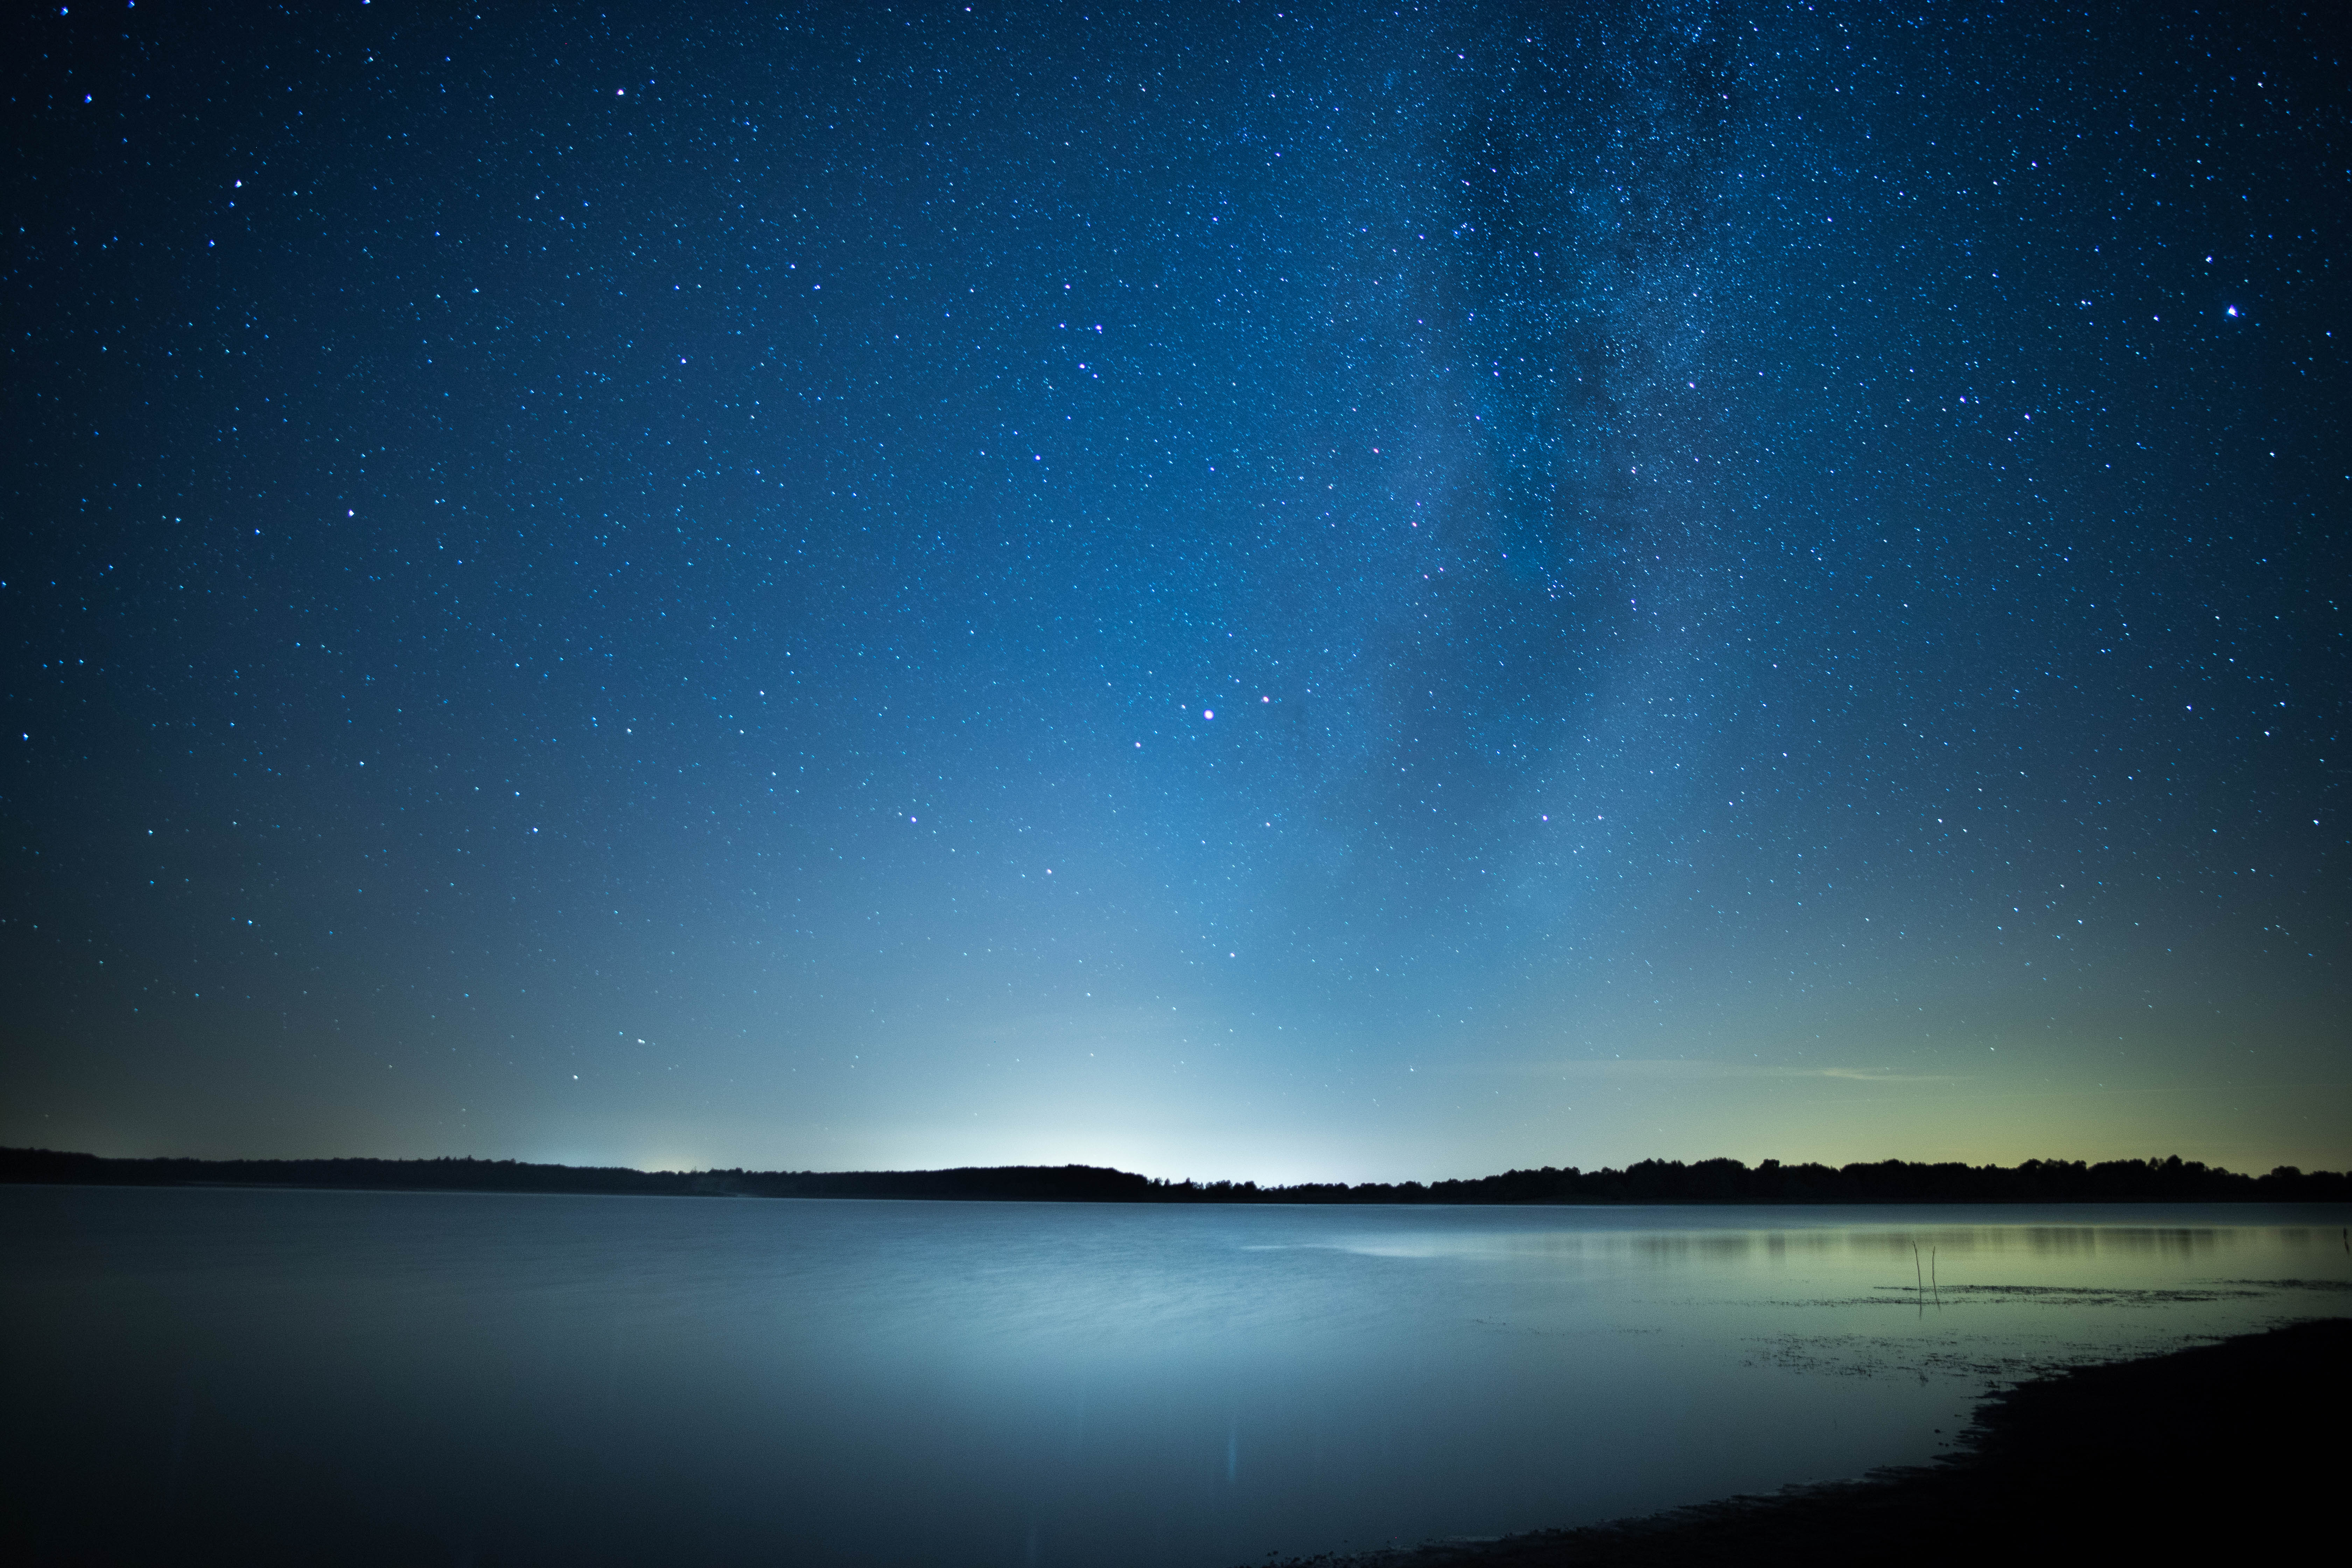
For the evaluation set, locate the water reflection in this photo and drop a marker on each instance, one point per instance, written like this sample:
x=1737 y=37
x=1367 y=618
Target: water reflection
x=2125 y=1245
x=609 y=1379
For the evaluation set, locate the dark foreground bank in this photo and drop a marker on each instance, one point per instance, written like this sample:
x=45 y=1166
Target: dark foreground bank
x=2172 y=1180
x=2229 y=1452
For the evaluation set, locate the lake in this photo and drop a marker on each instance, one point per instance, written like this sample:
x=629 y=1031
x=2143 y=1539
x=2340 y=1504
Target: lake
x=262 y=1375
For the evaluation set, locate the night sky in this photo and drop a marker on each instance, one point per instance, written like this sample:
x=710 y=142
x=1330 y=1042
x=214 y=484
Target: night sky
x=1334 y=593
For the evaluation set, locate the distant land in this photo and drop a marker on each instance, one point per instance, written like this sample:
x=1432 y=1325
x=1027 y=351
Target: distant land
x=2169 y=1179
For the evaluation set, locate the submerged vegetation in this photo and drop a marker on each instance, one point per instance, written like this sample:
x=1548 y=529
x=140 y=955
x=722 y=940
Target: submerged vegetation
x=2172 y=1180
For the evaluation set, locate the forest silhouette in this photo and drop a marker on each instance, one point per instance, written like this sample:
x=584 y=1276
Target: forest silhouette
x=1722 y=1180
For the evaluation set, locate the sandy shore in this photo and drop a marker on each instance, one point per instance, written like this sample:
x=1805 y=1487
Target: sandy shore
x=2234 y=1451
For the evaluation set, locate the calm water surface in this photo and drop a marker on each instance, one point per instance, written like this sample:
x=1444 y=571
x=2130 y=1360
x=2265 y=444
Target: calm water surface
x=585 y=1380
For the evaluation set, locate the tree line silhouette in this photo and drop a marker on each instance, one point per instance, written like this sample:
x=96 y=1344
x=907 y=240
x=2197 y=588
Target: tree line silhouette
x=1647 y=1182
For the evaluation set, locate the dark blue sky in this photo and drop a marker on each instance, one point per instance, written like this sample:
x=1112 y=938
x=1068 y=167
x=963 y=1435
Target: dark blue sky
x=1333 y=592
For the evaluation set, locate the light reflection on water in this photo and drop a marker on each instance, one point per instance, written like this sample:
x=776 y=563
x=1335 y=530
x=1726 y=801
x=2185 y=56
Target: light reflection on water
x=494 y=1378
x=2007 y=1249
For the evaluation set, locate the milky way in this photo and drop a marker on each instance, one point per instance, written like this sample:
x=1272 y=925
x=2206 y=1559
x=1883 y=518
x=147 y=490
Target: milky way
x=1326 y=593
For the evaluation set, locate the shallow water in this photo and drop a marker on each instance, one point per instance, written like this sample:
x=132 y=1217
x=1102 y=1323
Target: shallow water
x=492 y=1379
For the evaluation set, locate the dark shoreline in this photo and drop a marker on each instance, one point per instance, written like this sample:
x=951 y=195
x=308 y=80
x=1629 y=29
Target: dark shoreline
x=2231 y=1451
x=1725 y=1182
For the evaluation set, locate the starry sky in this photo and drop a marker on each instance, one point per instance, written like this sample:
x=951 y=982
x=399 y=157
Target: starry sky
x=1347 y=593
